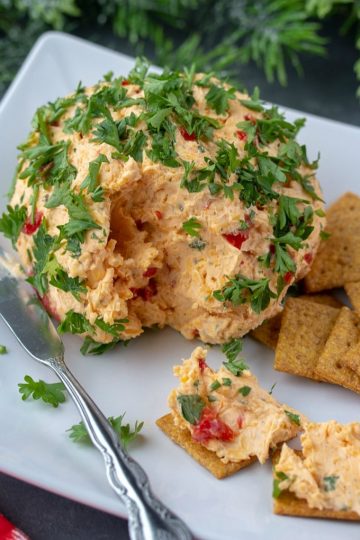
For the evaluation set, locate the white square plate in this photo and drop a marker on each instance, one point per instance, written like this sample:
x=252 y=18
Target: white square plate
x=34 y=445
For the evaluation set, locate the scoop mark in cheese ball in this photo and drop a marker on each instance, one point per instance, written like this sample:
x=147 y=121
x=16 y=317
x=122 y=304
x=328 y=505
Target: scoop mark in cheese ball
x=168 y=199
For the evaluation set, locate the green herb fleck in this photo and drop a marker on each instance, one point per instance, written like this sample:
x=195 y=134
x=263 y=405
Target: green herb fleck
x=245 y=390
x=330 y=483
x=294 y=418
x=191 y=407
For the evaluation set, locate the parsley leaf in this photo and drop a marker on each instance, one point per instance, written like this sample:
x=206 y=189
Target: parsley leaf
x=330 y=483
x=12 y=222
x=245 y=390
x=218 y=98
x=241 y=290
x=91 y=182
x=236 y=367
x=75 y=323
x=42 y=251
x=63 y=281
x=48 y=164
x=192 y=226
x=232 y=349
x=90 y=346
x=113 y=329
x=280 y=477
x=79 y=434
x=191 y=407
x=3 y=349
x=52 y=393
x=254 y=103
x=294 y=418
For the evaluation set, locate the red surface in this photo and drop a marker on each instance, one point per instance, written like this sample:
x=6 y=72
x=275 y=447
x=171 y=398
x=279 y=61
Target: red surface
x=9 y=532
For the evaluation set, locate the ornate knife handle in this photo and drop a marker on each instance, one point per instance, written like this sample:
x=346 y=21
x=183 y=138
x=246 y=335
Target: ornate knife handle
x=149 y=519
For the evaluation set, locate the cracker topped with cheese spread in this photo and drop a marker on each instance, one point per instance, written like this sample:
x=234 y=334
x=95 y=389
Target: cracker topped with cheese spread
x=167 y=199
x=228 y=412
x=326 y=474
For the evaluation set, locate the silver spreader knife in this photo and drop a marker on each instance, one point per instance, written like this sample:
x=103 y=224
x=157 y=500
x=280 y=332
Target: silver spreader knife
x=149 y=519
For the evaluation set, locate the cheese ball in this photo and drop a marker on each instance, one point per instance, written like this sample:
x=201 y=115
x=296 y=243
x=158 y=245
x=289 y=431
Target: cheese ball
x=169 y=199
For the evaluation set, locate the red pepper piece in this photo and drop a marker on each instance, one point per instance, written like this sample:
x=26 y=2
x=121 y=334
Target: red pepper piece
x=242 y=135
x=150 y=272
x=308 y=258
x=146 y=293
x=250 y=118
x=125 y=82
x=211 y=426
x=158 y=214
x=237 y=238
x=288 y=277
x=187 y=136
x=202 y=364
x=30 y=228
x=49 y=307
x=272 y=249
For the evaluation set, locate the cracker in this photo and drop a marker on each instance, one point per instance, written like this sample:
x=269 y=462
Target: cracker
x=344 y=335
x=304 y=331
x=268 y=332
x=202 y=455
x=353 y=292
x=338 y=259
x=351 y=358
x=287 y=504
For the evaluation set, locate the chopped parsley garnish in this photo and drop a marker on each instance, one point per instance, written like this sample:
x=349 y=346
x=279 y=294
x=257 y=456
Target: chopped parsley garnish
x=92 y=347
x=63 y=281
x=254 y=102
x=126 y=434
x=192 y=226
x=91 y=182
x=241 y=290
x=236 y=367
x=215 y=385
x=191 y=407
x=198 y=244
x=232 y=349
x=294 y=418
x=245 y=390
x=226 y=381
x=114 y=329
x=12 y=222
x=218 y=98
x=42 y=252
x=280 y=477
x=329 y=483
x=52 y=393
x=75 y=323
x=3 y=349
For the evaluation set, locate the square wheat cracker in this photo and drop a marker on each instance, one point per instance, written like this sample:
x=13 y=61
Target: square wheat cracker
x=338 y=259
x=304 y=331
x=287 y=504
x=344 y=335
x=202 y=455
x=353 y=292
x=268 y=332
x=351 y=358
